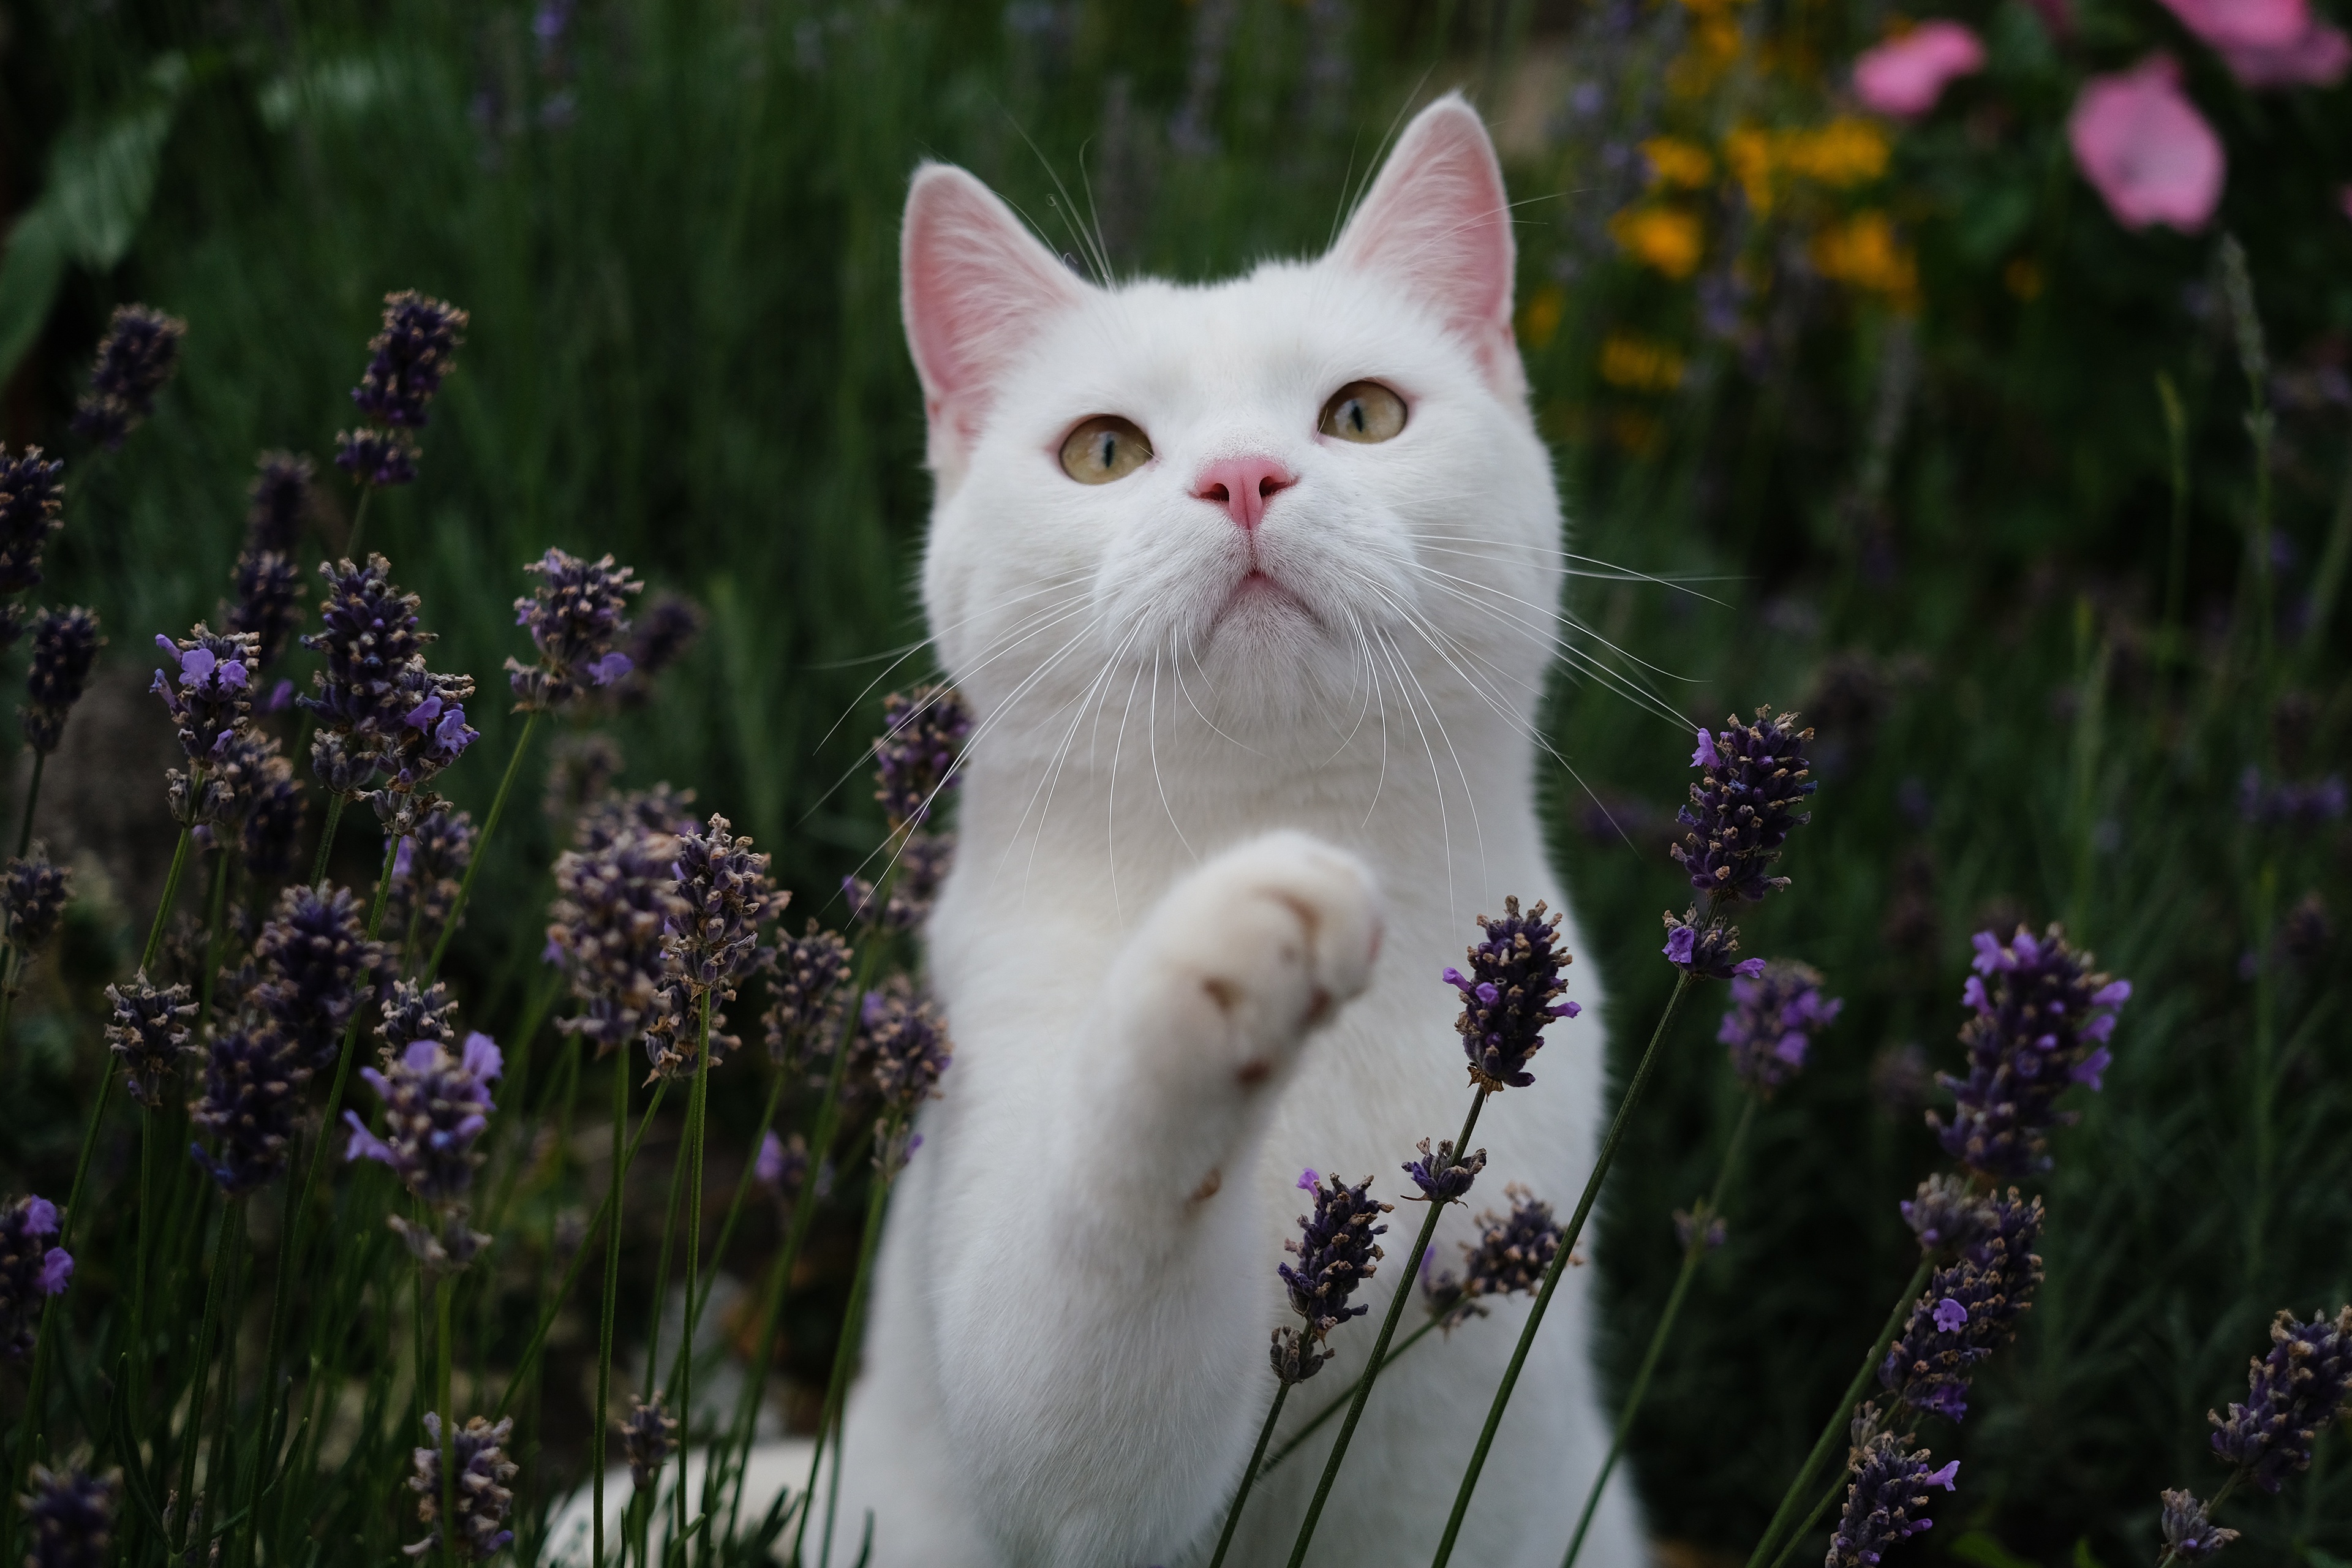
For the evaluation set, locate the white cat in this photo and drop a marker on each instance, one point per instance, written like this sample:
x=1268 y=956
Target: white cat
x=1252 y=588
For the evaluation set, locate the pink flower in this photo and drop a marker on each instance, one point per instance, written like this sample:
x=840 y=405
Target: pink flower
x=2145 y=148
x=2269 y=43
x=1904 y=77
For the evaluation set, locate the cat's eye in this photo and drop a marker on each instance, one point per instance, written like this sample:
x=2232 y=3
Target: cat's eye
x=1364 y=411
x=1104 y=448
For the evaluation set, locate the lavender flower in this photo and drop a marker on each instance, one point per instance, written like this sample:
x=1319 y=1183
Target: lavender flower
x=1702 y=1228
x=1704 y=949
x=574 y=616
x=1971 y=1310
x=1772 y=1019
x=149 y=1035
x=1507 y=997
x=1950 y=1219
x=922 y=863
x=805 y=979
x=436 y=1106
x=921 y=743
x=30 y=1272
x=428 y=869
x=251 y=1103
x=1742 y=810
x=613 y=904
x=1510 y=1257
x=728 y=896
x=273 y=815
x=368 y=634
x=268 y=602
x=315 y=962
x=482 y=1498
x=2188 y=1535
x=137 y=356
x=1886 y=1502
x=30 y=500
x=901 y=1046
x=378 y=458
x=669 y=627
x=34 y=893
x=2042 y=1023
x=210 y=696
x=431 y=734
x=411 y=353
x=2301 y=807
x=660 y=810
x=1336 y=1252
x=65 y=646
x=2291 y=1393
x=280 y=503
x=412 y=1013
x=648 y=1438
x=1441 y=1177
x=783 y=1166
x=580 y=768
x=71 y=1516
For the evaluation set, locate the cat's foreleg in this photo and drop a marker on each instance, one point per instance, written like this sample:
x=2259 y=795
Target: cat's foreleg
x=1107 y=1366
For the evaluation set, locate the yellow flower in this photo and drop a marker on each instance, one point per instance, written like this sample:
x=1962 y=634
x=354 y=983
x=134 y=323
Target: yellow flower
x=1676 y=163
x=1863 y=251
x=1846 y=152
x=1749 y=153
x=1640 y=364
x=1540 y=317
x=1667 y=238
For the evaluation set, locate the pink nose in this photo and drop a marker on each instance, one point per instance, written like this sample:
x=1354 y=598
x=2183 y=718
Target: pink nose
x=1243 y=486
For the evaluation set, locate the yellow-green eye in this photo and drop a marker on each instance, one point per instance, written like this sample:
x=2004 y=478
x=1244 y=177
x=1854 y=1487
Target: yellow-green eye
x=1364 y=411
x=1104 y=448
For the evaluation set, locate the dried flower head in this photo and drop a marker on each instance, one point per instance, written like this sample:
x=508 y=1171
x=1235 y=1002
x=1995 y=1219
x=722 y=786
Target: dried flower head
x=805 y=981
x=70 y=1514
x=1508 y=997
x=1743 y=808
x=577 y=612
x=1971 y=1310
x=1886 y=1501
x=1510 y=1257
x=1774 y=1018
x=1441 y=1177
x=1705 y=949
x=648 y=1438
x=2041 y=1024
x=268 y=602
x=419 y=340
x=1335 y=1251
x=34 y=893
x=481 y=1498
x=2188 y=1535
x=613 y=904
x=64 y=646
x=922 y=740
x=901 y=1048
x=436 y=1106
x=30 y=499
x=251 y=1104
x=2291 y=1393
x=315 y=965
x=137 y=356
x=378 y=458
x=148 y=1034
x=280 y=502
x=32 y=1269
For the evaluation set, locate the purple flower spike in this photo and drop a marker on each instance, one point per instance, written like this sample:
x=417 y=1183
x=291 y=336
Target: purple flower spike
x=1971 y=1310
x=377 y=459
x=70 y=1514
x=1742 y=812
x=1705 y=950
x=411 y=353
x=2041 y=1024
x=2189 y=1534
x=148 y=1034
x=1507 y=998
x=437 y=1105
x=1771 y=1022
x=919 y=753
x=30 y=1272
x=578 y=612
x=806 y=979
x=252 y=1104
x=1510 y=1257
x=2290 y=1394
x=479 y=1489
x=64 y=646
x=1886 y=1501
x=1335 y=1253
x=137 y=356
x=1441 y=1177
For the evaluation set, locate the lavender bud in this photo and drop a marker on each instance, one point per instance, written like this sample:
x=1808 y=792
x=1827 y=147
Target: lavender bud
x=436 y=1106
x=648 y=1438
x=1692 y=1230
x=411 y=353
x=280 y=503
x=31 y=1270
x=315 y=962
x=1886 y=1501
x=1742 y=810
x=1971 y=1310
x=1511 y=1256
x=1441 y=1177
x=901 y=1046
x=65 y=646
x=2189 y=1534
x=252 y=1103
x=574 y=616
x=482 y=1499
x=137 y=356
x=378 y=458
x=806 y=980
x=1704 y=951
x=1773 y=1017
x=920 y=748
x=30 y=499
x=2290 y=1394
x=426 y=872
x=70 y=1514
x=209 y=694
x=34 y=893
x=1335 y=1250
x=149 y=1035
x=613 y=902
x=268 y=602
x=1507 y=997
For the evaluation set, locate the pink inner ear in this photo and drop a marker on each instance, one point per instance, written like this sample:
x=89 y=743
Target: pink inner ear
x=974 y=287
x=1438 y=221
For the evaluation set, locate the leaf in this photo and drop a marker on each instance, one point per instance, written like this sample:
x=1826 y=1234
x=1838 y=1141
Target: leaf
x=1982 y=1549
x=2083 y=1556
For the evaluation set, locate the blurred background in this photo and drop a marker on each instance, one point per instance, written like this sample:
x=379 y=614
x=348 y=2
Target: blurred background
x=1921 y=402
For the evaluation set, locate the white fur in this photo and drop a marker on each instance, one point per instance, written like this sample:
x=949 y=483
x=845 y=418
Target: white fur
x=1190 y=832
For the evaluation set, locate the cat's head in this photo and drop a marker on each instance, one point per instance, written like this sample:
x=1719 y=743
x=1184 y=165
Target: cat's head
x=1298 y=490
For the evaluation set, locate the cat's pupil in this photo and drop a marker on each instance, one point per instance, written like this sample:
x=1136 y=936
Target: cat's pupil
x=1354 y=414
x=1109 y=449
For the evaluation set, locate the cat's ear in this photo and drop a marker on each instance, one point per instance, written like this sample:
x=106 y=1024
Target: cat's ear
x=1437 y=221
x=974 y=286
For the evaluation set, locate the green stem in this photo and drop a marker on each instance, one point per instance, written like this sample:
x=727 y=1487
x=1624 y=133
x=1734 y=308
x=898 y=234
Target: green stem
x=164 y=905
x=604 y=1414
x=351 y=542
x=443 y=1290
x=1796 y=1536
x=1841 y=1416
x=1560 y=1263
x=698 y=1107
x=481 y=846
x=844 y=1349
x=32 y=794
x=1297 y=1439
x=1696 y=1250
x=214 y=914
x=1379 y=1358
x=1258 y=1457
x=2176 y=572
x=230 y=1214
x=327 y=841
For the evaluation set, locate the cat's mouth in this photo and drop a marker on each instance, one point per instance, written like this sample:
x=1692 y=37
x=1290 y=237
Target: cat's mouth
x=1258 y=594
